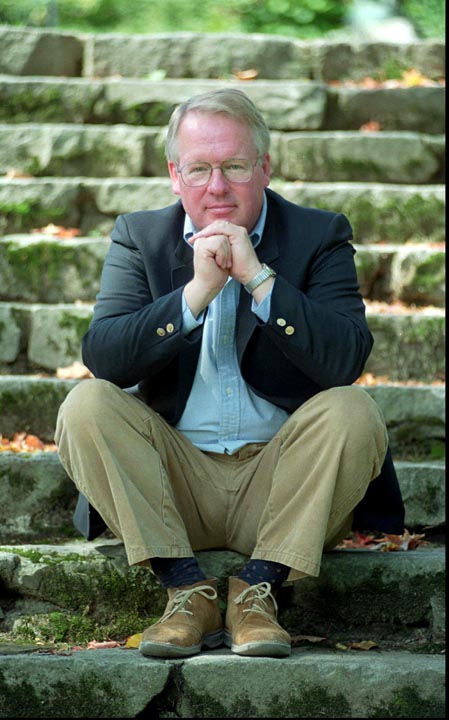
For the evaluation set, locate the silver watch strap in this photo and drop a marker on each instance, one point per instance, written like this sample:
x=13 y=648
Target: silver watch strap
x=258 y=279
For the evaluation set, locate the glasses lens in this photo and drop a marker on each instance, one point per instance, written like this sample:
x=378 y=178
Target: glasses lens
x=235 y=170
x=196 y=173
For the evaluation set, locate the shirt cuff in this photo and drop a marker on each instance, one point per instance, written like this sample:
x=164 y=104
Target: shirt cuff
x=262 y=310
x=189 y=322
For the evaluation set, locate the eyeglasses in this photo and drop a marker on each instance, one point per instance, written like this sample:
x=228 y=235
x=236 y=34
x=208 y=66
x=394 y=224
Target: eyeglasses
x=237 y=170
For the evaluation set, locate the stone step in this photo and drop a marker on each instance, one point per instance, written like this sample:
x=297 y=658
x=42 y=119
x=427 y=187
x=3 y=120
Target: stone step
x=37 y=499
x=415 y=414
x=288 y=105
x=378 y=212
x=40 y=267
x=217 y=684
x=43 y=337
x=26 y=51
x=72 y=150
x=405 y=590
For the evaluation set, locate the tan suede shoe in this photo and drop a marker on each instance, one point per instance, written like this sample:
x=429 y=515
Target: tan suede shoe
x=191 y=620
x=251 y=624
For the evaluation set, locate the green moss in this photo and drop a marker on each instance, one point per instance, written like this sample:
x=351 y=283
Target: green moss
x=28 y=214
x=42 y=104
x=307 y=701
x=407 y=703
x=79 y=628
x=88 y=695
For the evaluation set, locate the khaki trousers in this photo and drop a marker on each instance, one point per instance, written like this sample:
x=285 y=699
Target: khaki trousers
x=285 y=501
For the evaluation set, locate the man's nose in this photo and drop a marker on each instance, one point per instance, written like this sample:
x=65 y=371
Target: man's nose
x=217 y=180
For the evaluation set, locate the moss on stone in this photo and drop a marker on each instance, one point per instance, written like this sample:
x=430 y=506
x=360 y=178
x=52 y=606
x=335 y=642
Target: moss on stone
x=90 y=695
x=407 y=703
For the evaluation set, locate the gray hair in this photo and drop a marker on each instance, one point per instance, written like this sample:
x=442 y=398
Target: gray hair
x=229 y=102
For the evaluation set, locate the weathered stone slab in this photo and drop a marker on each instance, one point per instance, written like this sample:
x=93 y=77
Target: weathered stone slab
x=30 y=404
x=48 y=99
x=84 y=684
x=417 y=108
x=408 y=346
x=411 y=273
x=415 y=417
x=72 y=150
x=80 y=574
x=313 y=684
x=423 y=490
x=32 y=204
x=385 y=157
x=40 y=52
x=290 y=105
x=37 y=499
x=310 y=683
x=44 y=268
x=378 y=212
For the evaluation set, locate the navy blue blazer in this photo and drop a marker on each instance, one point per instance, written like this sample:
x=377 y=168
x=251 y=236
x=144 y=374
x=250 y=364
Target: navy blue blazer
x=316 y=291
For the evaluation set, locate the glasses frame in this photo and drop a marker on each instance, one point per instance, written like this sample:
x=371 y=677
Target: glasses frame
x=179 y=170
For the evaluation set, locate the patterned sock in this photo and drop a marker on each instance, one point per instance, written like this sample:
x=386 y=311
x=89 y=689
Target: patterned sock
x=257 y=571
x=174 y=572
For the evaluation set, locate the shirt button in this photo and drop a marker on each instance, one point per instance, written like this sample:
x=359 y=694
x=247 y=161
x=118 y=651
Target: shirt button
x=289 y=330
x=161 y=332
x=169 y=327
x=281 y=322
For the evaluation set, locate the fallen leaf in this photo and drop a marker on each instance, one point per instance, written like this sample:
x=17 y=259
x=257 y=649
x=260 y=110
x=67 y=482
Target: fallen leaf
x=413 y=77
x=306 y=638
x=340 y=646
x=96 y=645
x=250 y=74
x=363 y=645
x=133 y=641
x=23 y=442
x=57 y=231
x=13 y=173
x=76 y=371
x=383 y=542
x=370 y=126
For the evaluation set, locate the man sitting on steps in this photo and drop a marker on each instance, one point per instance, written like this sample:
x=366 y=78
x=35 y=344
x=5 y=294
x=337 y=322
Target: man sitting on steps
x=226 y=336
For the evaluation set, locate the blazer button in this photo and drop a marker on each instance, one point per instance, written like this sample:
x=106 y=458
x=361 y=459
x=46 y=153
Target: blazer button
x=289 y=330
x=160 y=331
x=281 y=322
x=169 y=327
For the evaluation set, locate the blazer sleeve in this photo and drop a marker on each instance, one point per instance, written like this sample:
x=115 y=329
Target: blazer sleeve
x=133 y=333
x=317 y=317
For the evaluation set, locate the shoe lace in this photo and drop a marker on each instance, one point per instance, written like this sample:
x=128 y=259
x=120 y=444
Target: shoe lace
x=182 y=597
x=259 y=594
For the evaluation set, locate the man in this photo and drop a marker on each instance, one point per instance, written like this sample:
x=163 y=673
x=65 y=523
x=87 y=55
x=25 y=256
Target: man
x=238 y=316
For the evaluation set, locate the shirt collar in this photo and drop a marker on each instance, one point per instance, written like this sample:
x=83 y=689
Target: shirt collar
x=255 y=234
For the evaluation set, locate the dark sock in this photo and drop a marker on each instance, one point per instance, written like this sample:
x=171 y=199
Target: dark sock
x=174 y=572
x=257 y=571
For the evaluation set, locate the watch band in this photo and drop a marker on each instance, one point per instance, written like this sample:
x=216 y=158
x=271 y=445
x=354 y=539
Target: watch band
x=258 y=279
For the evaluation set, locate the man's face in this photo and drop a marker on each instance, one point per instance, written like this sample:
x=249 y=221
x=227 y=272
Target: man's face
x=213 y=139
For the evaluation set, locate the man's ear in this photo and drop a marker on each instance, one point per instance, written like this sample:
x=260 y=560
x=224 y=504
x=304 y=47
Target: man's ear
x=174 y=177
x=266 y=167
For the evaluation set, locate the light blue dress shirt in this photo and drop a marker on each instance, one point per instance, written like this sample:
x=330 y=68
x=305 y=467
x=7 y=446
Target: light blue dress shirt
x=222 y=413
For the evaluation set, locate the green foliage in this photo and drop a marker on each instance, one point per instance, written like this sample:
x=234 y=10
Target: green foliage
x=427 y=16
x=288 y=17
x=298 y=18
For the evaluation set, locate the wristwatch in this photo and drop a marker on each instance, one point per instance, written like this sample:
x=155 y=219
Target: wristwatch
x=258 y=279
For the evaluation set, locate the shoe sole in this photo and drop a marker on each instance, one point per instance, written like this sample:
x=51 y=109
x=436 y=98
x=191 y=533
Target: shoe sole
x=259 y=649
x=168 y=650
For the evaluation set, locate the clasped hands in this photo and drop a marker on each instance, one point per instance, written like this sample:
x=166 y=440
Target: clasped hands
x=220 y=250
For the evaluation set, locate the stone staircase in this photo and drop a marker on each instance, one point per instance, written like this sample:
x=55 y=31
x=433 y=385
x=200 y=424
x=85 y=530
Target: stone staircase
x=82 y=123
